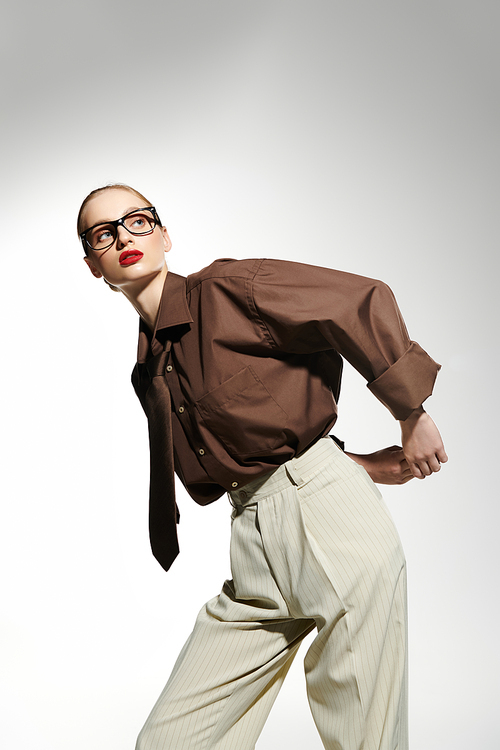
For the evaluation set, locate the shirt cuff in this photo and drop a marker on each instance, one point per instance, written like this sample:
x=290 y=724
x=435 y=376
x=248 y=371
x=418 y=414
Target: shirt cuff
x=407 y=383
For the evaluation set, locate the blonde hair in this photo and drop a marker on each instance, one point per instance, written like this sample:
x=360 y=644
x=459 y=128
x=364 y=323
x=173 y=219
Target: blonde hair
x=111 y=186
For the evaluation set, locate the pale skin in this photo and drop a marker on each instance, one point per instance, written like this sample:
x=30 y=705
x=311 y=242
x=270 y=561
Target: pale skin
x=422 y=451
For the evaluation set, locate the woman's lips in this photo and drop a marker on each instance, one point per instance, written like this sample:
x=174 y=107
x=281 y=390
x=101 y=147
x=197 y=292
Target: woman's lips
x=130 y=256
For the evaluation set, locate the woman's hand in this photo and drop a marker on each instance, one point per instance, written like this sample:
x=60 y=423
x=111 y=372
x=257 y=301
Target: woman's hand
x=386 y=466
x=422 y=444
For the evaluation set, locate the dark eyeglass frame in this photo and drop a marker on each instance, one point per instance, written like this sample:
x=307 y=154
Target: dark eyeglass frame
x=119 y=223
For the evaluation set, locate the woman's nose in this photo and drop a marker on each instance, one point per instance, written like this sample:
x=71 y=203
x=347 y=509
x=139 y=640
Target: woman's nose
x=122 y=237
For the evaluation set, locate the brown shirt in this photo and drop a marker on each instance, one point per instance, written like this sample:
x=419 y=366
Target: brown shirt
x=256 y=360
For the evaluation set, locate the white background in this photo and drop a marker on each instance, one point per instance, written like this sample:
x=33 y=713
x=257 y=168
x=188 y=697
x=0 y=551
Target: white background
x=358 y=135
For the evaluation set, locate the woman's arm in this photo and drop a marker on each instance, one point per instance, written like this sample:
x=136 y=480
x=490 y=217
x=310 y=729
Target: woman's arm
x=386 y=466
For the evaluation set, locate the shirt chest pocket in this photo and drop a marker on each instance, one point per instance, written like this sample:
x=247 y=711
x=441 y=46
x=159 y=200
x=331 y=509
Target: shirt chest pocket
x=243 y=415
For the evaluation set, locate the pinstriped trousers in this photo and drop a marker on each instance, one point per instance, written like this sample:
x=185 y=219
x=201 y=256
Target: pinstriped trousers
x=312 y=546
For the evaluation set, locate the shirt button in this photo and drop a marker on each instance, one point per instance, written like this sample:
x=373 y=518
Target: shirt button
x=181 y=409
x=201 y=452
x=169 y=368
x=234 y=484
x=243 y=495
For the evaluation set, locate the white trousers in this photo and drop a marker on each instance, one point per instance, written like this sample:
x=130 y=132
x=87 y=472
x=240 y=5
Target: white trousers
x=312 y=546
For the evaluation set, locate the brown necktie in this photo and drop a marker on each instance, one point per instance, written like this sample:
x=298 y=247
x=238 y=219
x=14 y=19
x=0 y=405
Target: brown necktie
x=151 y=387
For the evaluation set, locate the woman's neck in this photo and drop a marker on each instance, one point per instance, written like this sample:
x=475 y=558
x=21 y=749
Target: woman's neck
x=145 y=299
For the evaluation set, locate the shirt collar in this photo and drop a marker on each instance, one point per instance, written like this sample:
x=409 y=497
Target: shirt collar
x=173 y=311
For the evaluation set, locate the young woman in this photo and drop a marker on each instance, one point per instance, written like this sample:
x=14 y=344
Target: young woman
x=238 y=371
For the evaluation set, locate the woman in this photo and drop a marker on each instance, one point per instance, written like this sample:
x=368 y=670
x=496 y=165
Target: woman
x=239 y=371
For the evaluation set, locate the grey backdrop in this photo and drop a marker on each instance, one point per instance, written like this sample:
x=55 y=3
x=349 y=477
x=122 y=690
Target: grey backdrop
x=359 y=135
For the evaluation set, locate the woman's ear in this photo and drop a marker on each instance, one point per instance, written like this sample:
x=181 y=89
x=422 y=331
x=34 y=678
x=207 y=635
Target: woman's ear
x=93 y=269
x=166 y=239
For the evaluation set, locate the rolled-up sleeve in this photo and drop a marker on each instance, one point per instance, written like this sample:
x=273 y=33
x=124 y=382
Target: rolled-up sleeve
x=406 y=384
x=305 y=309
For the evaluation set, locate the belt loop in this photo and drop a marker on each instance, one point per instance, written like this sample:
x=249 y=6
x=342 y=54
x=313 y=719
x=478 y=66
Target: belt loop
x=293 y=474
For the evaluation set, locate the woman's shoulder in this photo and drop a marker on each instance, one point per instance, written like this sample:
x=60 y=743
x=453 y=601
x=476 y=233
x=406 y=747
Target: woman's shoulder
x=225 y=268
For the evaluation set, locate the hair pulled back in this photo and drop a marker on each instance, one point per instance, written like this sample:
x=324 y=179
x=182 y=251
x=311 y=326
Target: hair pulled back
x=111 y=186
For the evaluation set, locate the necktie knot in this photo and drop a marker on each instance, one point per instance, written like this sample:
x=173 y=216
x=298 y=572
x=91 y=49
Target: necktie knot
x=144 y=373
x=156 y=365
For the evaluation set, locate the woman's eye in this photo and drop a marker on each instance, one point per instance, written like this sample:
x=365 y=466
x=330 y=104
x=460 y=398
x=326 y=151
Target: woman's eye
x=104 y=236
x=139 y=222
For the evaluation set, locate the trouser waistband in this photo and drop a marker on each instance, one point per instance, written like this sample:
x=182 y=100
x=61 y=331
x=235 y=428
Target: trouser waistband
x=296 y=471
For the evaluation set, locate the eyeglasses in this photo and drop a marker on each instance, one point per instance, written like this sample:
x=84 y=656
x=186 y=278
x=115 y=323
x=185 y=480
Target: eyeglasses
x=102 y=236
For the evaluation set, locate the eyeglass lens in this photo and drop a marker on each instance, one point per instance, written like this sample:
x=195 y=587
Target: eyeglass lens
x=103 y=235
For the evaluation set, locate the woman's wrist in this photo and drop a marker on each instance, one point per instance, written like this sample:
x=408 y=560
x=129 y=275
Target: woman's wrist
x=413 y=416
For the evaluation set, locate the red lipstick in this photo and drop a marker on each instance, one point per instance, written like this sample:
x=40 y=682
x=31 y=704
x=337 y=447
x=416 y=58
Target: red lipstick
x=130 y=256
